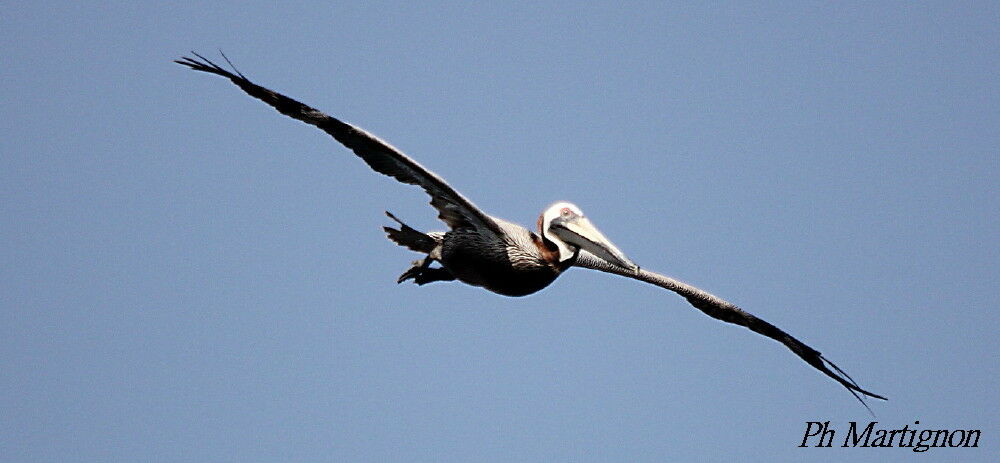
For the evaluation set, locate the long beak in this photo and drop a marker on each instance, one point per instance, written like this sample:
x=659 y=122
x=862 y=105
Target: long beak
x=581 y=232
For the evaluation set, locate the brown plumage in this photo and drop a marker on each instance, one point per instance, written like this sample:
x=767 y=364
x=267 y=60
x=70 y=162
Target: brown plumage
x=504 y=257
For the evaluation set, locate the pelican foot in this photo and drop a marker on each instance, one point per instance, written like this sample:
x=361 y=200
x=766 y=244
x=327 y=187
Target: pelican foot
x=422 y=273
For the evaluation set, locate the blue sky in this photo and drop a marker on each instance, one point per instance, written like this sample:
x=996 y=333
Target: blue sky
x=189 y=276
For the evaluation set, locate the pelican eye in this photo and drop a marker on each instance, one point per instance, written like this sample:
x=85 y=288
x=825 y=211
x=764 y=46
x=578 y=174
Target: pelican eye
x=566 y=212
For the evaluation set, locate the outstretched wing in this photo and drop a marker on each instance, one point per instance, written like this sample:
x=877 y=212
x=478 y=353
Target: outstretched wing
x=453 y=208
x=719 y=309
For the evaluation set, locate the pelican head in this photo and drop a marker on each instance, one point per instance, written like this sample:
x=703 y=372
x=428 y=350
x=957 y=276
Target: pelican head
x=565 y=225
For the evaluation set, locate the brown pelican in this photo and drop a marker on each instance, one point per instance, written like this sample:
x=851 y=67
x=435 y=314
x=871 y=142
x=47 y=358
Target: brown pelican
x=501 y=256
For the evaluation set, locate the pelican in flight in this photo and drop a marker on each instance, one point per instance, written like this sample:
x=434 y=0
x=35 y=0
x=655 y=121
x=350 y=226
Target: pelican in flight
x=500 y=256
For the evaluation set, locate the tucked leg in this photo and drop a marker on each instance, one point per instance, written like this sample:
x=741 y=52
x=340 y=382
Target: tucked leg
x=422 y=273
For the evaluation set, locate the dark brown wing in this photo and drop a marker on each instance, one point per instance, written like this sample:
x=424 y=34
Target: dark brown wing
x=454 y=209
x=719 y=309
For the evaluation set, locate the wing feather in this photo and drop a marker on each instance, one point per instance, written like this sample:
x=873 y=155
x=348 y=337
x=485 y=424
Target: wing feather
x=453 y=208
x=720 y=309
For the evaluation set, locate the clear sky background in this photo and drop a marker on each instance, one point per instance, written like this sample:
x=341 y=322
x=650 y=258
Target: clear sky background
x=189 y=276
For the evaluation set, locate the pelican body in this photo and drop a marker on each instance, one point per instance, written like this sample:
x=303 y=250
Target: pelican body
x=515 y=262
x=501 y=256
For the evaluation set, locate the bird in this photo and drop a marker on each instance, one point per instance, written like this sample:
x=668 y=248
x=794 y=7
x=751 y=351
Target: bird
x=500 y=256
